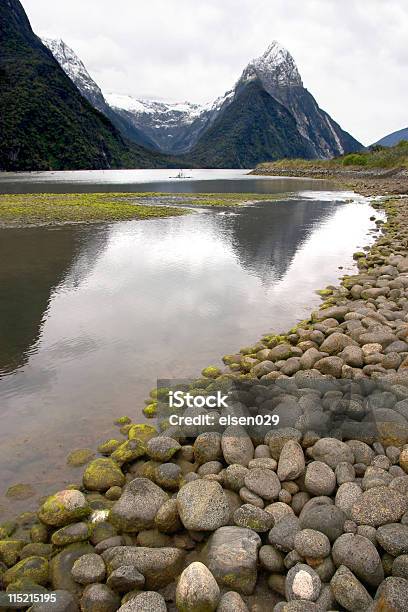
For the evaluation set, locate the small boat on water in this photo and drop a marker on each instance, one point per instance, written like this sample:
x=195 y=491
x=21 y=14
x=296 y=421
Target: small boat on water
x=180 y=175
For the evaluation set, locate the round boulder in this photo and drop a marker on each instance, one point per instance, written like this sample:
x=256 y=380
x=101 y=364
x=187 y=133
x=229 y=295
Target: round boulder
x=378 y=506
x=63 y=508
x=203 y=506
x=197 y=590
x=319 y=479
x=361 y=557
x=137 y=507
x=332 y=452
x=303 y=583
x=263 y=482
x=393 y=538
x=89 y=569
x=311 y=543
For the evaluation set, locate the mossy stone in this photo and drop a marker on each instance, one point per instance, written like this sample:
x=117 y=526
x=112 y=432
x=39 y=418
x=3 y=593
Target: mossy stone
x=80 y=457
x=20 y=491
x=102 y=531
x=7 y=529
x=36 y=550
x=150 y=410
x=77 y=532
x=39 y=533
x=123 y=420
x=129 y=451
x=153 y=538
x=27 y=518
x=64 y=507
x=125 y=428
x=149 y=469
x=25 y=585
x=142 y=432
x=113 y=493
x=211 y=372
x=32 y=568
x=97 y=501
x=102 y=474
x=107 y=448
x=10 y=551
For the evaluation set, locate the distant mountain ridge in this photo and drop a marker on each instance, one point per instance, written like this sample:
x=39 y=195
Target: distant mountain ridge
x=187 y=129
x=394 y=138
x=54 y=115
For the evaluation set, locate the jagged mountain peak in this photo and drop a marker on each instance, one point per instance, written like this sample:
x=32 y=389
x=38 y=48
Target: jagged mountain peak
x=276 y=66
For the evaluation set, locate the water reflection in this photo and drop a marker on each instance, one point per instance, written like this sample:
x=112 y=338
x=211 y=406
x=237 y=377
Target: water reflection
x=34 y=264
x=266 y=241
x=108 y=309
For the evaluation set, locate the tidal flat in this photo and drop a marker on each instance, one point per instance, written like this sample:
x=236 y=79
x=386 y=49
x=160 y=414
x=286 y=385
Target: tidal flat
x=36 y=209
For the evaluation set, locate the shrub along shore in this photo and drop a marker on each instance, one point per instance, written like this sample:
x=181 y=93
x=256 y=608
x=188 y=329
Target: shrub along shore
x=311 y=515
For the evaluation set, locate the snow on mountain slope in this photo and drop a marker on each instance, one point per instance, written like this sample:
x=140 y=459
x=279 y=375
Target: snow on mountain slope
x=277 y=71
x=75 y=69
x=176 y=127
x=276 y=66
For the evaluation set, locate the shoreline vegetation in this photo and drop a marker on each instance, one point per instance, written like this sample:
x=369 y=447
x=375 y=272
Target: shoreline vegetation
x=377 y=171
x=57 y=209
x=311 y=516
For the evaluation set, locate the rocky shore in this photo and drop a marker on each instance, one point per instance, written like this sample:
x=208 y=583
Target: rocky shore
x=308 y=515
x=367 y=181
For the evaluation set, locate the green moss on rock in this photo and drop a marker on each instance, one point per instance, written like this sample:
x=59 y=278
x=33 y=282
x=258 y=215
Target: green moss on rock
x=31 y=568
x=7 y=529
x=211 y=372
x=102 y=474
x=150 y=410
x=64 y=507
x=129 y=451
x=80 y=457
x=107 y=448
x=10 y=551
x=142 y=432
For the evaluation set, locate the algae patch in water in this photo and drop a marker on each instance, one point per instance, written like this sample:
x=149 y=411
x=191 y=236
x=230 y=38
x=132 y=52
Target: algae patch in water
x=54 y=209
x=43 y=209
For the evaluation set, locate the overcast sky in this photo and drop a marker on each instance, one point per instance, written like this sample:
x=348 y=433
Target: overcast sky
x=352 y=54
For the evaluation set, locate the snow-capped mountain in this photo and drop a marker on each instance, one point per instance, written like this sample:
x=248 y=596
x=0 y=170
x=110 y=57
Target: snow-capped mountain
x=174 y=127
x=275 y=67
x=180 y=127
x=79 y=75
x=277 y=71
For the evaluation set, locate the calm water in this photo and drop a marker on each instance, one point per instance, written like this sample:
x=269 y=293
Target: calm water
x=91 y=316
